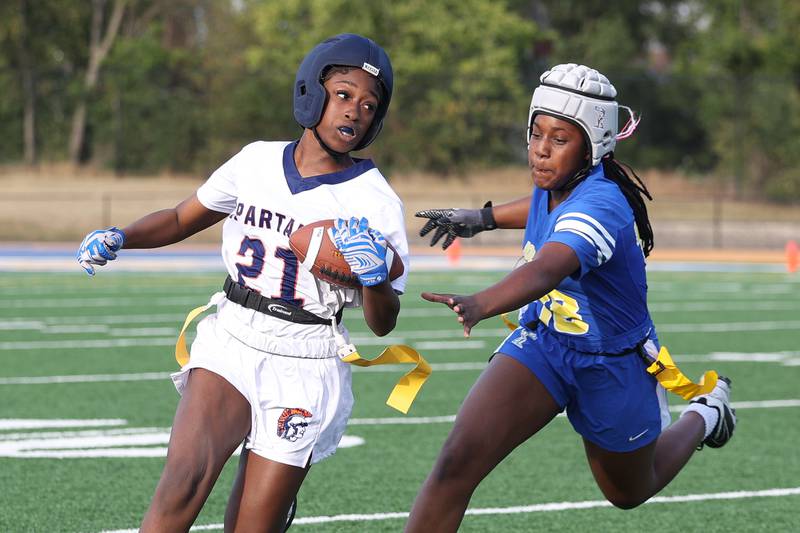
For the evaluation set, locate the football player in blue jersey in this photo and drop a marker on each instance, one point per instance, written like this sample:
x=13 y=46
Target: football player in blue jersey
x=585 y=338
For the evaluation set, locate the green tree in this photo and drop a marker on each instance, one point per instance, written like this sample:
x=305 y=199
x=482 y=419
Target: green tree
x=458 y=98
x=151 y=105
x=746 y=58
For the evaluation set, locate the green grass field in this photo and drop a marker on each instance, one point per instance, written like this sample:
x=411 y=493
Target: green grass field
x=86 y=405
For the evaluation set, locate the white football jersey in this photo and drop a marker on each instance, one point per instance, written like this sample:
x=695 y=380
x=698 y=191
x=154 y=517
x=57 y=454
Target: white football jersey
x=267 y=200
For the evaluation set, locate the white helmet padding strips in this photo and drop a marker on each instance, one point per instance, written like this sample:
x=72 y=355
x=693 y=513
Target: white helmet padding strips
x=584 y=97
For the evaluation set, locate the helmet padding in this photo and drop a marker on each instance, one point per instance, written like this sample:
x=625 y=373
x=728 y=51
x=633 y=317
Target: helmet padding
x=583 y=96
x=346 y=49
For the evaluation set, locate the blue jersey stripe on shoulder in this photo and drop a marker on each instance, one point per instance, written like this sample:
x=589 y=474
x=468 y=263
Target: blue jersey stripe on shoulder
x=590 y=234
x=597 y=225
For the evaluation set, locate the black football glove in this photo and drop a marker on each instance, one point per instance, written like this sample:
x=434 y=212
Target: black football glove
x=456 y=223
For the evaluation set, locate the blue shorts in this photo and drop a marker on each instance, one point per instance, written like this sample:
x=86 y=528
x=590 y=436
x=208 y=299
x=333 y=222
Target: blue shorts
x=611 y=400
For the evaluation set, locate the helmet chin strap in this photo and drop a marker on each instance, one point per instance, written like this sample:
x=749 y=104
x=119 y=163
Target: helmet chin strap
x=331 y=152
x=579 y=175
x=576 y=179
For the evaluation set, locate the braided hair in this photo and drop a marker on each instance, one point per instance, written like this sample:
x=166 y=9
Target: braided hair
x=635 y=192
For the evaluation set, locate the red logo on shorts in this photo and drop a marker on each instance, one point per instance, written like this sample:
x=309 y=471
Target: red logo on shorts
x=292 y=423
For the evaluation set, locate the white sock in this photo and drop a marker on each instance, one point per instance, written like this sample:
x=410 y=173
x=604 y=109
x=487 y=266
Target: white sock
x=710 y=416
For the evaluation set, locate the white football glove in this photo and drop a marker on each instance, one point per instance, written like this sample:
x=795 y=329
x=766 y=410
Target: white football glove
x=363 y=248
x=99 y=247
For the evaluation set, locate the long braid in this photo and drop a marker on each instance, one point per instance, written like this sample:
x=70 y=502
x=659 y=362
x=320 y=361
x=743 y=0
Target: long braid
x=635 y=192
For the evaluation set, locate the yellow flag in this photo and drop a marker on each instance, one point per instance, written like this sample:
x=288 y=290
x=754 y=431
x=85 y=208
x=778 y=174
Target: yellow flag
x=181 y=353
x=667 y=373
x=403 y=394
x=401 y=397
x=509 y=324
x=671 y=378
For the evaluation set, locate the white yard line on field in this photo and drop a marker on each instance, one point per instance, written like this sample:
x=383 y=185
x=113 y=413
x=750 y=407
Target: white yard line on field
x=787 y=358
x=73 y=303
x=36 y=423
x=723 y=327
x=524 y=509
x=32 y=423
x=85 y=378
x=410 y=420
x=42 y=322
x=452 y=344
x=727 y=327
x=716 y=306
x=151 y=442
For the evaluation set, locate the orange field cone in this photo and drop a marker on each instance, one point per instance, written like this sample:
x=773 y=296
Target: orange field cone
x=454 y=252
x=792 y=256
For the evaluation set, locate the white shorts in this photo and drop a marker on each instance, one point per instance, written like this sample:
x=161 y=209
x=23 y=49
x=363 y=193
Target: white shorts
x=299 y=406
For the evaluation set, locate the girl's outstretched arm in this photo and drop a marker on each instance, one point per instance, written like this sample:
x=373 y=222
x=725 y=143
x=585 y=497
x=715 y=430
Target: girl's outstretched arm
x=169 y=226
x=528 y=283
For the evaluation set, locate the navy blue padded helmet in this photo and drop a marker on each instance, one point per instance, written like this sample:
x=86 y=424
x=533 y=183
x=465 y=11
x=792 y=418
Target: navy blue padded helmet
x=346 y=49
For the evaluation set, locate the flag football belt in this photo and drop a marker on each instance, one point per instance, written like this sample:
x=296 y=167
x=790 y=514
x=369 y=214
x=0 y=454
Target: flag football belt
x=272 y=306
x=403 y=393
x=662 y=367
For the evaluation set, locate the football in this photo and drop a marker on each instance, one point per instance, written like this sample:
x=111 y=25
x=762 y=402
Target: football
x=314 y=248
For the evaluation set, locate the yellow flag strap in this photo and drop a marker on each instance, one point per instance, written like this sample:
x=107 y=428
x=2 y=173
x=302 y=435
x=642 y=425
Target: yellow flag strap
x=671 y=378
x=666 y=372
x=403 y=394
x=401 y=397
x=509 y=324
x=181 y=352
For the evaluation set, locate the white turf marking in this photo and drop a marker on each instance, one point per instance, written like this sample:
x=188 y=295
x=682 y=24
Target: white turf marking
x=149 y=318
x=406 y=338
x=151 y=376
x=688 y=307
x=396 y=420
x=170 y=341
x=524 y=509
x=36 y=423
x=47 y=324
x=407 y=420
x=93 y=378
x=151 y=442
x=128 y=442
x=726 y=327
x=383 y=341
x=82 y=344
x=787 y=358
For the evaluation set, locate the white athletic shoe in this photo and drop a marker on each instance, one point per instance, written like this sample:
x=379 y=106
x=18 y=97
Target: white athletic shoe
x=719 y=399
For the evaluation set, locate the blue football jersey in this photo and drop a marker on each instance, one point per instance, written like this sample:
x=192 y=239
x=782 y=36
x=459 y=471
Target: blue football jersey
x=602 y=307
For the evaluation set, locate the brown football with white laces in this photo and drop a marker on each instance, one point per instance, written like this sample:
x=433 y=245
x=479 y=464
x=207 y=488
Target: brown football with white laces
x=313 y=245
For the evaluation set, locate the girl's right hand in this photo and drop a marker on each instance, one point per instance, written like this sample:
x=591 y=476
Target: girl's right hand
x=466 y=307
x=99 y=247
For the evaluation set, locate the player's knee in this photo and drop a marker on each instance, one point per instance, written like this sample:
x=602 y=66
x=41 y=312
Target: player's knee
x=455 y=460
x=183 y=481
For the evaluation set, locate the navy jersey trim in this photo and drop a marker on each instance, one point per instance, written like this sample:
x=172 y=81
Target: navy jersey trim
x=298 y=183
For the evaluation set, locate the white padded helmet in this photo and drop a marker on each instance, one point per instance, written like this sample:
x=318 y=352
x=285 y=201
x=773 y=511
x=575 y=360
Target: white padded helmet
x=583 y=96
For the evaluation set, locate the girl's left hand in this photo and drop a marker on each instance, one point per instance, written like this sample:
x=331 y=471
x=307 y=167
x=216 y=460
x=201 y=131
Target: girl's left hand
x=466 y=307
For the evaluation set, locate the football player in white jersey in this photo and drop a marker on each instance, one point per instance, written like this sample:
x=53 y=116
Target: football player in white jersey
x=264 y=368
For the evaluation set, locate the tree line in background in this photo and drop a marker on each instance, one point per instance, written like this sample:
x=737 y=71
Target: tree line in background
x=143 y=86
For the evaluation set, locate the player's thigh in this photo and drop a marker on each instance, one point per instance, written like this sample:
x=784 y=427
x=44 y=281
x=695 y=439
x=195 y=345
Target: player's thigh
x=506 y=405
x=212 y=419
x=262 y=494
x=626 y=478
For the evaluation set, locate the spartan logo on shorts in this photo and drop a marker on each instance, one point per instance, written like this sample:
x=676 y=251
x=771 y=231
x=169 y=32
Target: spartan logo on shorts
x=292 y=423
